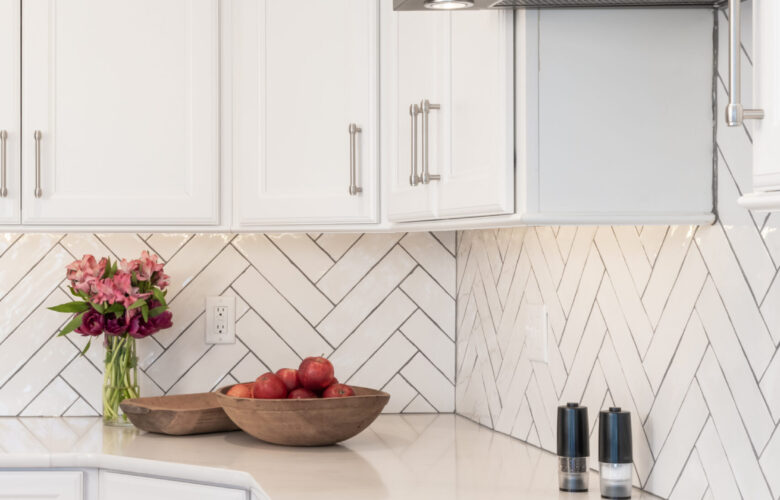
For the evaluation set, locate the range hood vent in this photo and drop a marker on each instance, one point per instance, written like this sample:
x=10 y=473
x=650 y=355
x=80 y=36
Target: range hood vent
x=522 y=4
x=543 y=4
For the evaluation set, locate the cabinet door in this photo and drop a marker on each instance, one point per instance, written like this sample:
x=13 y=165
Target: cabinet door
x=10 y=120
x=477 y=156
x=114 y=486
x=414 y=58
x=303 y=72
x=462 y=65
x=766 y=132
x=34 y=485
x=121 y=101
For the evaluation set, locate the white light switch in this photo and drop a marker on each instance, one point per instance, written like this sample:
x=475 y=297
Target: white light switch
x=220 y=320
x=534 y=324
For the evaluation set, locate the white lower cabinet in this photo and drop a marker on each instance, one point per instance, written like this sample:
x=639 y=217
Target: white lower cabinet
x=42 y=485
x=117 y=486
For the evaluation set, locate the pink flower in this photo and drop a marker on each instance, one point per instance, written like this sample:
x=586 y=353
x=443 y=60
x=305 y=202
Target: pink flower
x=147 y=266
x=83 y=273
x=105 y=292
x=128 y=267
x=161 y=280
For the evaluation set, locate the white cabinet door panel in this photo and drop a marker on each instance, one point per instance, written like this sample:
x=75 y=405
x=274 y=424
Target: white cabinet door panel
x=477 y=164
x=115 y=486
x=766 y=132
x=34 y=485
x=10 y=103
x=126 y=98
x=415 y=58
x=303 y=72
x=462 y=62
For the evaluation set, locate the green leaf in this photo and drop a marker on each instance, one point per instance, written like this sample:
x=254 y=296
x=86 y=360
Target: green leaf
x=71 y=307
x=99 y=308
x=138 y=303
x=159 y=296
x=73 y=324
x=145 y=312
x=115 y=308
x=157 y=311
x=86 y=348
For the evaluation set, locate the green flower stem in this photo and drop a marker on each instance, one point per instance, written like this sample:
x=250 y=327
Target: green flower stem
x=120 y=378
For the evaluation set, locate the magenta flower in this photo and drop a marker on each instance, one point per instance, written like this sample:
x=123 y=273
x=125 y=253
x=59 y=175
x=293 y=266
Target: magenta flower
x=162 y=321
x=115 y=325
x=92 y=324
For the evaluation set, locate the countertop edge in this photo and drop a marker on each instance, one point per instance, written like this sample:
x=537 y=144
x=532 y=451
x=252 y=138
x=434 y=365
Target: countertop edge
x=132 y=465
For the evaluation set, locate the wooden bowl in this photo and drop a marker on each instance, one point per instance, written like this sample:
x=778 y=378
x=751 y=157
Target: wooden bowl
x=179 y=415
x=304 y=422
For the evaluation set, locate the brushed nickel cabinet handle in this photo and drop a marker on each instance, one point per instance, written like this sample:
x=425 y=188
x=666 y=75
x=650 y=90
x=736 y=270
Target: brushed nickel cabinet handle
x=426 y=107
x=414 y=178
x=3 y=163
x=735 y=113
x=354 y=190
x=37 y=136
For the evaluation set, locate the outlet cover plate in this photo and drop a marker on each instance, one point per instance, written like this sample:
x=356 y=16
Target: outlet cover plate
x=534 y=324
x=220 y=320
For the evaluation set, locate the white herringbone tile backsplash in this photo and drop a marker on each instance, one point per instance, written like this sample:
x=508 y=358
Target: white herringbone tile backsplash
x=380 y=306
x=679 y=325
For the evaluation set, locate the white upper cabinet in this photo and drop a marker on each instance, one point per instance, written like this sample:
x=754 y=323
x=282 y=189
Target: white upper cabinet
x=305 y=114
x=448 y=113
x=614 y=115
x=121 y=112
x=10 y=119
x=766 y=97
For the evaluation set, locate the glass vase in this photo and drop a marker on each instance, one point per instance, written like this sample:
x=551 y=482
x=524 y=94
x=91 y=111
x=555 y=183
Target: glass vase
x=120 y=378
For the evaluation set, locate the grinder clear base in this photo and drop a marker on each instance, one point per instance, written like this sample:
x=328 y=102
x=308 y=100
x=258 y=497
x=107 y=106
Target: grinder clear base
x=573 y=473
x=615 y=480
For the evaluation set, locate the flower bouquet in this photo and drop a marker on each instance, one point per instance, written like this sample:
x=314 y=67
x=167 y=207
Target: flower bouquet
x=125 y=301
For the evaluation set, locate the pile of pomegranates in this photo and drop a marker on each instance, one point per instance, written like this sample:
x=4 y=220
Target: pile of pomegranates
x=314 y=378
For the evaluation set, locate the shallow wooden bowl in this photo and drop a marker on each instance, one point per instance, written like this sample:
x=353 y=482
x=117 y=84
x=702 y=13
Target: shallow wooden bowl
x=178 y=415
x=304 y=422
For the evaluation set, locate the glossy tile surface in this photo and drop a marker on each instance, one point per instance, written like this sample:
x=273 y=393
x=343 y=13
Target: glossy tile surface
x=297 y=295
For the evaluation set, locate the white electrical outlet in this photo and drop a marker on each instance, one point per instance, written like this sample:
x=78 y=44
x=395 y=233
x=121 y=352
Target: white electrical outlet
x=220 y=320
x=534 y=324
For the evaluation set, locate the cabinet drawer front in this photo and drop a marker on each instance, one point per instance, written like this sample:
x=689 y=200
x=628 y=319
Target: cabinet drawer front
x=114 y=486
x=121 y=100
x=35 y=485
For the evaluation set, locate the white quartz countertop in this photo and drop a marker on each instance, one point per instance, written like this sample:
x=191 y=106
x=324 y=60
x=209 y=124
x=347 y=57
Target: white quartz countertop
x=399 y=457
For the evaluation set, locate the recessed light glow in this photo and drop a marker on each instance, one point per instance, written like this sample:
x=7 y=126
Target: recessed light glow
x=448 y=4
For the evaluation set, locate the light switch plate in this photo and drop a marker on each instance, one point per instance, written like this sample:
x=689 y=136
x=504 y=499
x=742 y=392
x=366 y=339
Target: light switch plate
x=220 y=320
x=534 y=323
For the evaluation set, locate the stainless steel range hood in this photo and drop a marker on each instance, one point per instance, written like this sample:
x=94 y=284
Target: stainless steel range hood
x=528 y=4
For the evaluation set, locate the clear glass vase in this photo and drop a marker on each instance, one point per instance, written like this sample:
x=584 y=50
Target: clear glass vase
x=120 y=378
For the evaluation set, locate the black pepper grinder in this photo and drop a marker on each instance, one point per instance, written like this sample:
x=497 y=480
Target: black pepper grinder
x=573 y=447
x=615 y=453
